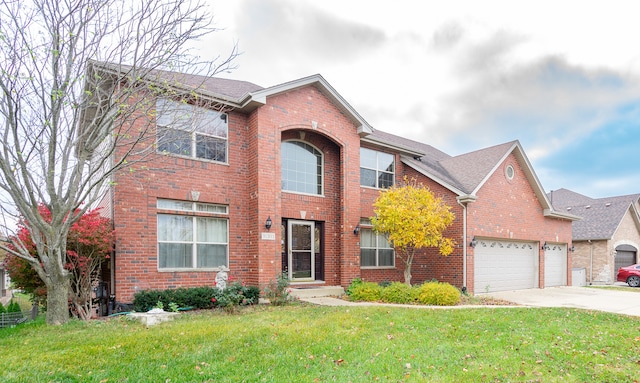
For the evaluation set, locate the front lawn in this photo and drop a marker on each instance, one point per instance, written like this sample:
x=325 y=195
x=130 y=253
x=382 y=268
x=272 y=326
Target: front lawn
x=304 y=343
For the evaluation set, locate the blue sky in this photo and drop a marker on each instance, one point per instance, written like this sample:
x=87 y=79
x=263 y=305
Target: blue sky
x=561 y=77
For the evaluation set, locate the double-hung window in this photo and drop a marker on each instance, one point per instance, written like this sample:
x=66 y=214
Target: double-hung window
x=375 y=250
x=188 y=241
x=376 y=168
x=191 y=131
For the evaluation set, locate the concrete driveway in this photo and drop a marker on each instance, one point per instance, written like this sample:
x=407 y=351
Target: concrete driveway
x=590 y=298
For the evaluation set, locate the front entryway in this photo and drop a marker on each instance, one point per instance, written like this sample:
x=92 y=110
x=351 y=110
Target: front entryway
x=301 y=250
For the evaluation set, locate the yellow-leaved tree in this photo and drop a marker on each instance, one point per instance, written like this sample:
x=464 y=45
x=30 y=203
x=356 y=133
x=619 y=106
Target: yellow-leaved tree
x=411 y=218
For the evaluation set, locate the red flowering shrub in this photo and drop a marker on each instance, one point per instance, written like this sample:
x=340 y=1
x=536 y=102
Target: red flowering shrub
x=89 y=243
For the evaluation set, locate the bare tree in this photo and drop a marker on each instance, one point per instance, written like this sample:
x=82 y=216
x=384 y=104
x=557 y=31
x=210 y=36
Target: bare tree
x=78 y=82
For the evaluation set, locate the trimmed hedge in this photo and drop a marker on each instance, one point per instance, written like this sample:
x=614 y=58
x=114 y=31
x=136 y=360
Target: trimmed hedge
x=398 y=292
x=438 y=294
x=366 y=291
x=197 y=297
x=430 y=293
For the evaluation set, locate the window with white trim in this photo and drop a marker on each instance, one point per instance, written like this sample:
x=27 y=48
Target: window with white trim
x=191 y=131
x=301 y=165
x=192 y=242
x=376 y=168
x=375 y=250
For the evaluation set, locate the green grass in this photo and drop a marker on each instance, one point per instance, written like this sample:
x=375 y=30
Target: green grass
x=616 y=287
x=306 y=343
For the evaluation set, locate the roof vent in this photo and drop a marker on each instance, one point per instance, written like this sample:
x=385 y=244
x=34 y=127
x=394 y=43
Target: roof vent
x=569 y=208
x=588 y=207
x=607 y=204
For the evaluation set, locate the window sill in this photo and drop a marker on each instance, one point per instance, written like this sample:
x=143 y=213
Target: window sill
x=377 y=267
x=189 y=270
x=173 y=155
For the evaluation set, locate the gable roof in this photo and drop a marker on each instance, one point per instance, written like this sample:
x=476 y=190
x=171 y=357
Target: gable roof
x=465 y=174
x=601 y=217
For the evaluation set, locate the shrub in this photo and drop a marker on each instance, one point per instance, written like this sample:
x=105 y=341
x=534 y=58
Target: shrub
x=398 y=292
x=438 y=294
x=366 y=291
x=2 y=309
x=277 y=292
x=13 y=307
x=354 y=283
x=197 y=297
x=234 y=295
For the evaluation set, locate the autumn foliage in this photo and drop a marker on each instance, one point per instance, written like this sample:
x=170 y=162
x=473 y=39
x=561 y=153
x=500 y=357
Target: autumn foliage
x=89 y=243
x=412 y=218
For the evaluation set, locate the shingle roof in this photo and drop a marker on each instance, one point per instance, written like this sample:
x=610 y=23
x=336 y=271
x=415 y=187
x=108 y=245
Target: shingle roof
x=464 y=172
x=233 y=90
x=601 y=217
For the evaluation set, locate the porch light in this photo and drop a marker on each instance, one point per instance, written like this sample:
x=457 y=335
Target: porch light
x=473 y=242
x=268 y=223
x=356 y=231
x=572 y=249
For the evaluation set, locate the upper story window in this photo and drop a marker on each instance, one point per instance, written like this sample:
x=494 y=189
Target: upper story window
x=192 y=242
x=376 y=168
x=191 y=131
x=301 y=168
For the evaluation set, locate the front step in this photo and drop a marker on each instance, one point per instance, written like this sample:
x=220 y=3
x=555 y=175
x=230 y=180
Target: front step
x=316 y=291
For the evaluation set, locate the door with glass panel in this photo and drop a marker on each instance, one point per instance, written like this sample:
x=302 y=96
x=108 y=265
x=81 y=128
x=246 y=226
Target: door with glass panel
x=301 y=250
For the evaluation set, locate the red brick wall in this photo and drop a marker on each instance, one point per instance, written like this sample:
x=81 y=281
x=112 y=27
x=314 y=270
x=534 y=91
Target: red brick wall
x=250 y=185
x=509 y=209
x=306 y=114
x=428 y=264
x=504 y=209
x=135 y=214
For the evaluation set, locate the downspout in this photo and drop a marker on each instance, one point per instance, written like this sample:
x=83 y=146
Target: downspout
x=463 y=201
x=590 y=263
x=464 y=246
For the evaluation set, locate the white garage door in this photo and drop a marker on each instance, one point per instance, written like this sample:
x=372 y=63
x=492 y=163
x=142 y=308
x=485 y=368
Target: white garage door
x=555 y=266
x=505 y=265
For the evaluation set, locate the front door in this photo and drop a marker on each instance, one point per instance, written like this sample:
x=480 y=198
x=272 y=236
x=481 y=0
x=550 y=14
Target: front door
x=301 y=250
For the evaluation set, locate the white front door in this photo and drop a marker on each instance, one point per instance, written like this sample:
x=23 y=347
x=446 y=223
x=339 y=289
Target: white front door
x=301 y=251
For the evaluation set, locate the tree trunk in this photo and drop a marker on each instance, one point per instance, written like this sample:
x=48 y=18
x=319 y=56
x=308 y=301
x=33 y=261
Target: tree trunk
x=408 y=261
x=407 y=275
x=57 y=300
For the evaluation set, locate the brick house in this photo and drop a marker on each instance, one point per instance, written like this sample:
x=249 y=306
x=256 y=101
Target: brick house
x=283 y=180
x=608 y=235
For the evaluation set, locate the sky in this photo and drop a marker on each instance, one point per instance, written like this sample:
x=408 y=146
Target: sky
x=563 y=78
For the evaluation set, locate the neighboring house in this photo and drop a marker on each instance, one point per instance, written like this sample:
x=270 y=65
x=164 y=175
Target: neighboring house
x=608 y=235
x=285 y=181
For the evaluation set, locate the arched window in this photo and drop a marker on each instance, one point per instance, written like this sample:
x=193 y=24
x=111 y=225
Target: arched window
x=301 y=168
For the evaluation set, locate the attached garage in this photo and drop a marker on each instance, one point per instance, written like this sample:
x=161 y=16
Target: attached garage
x=555 y=265
x=505 y=265
x=625 y=256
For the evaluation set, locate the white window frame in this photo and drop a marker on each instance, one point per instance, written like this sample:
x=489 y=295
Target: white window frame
x=186 y=119
x=377 y=168
x=321 y=170
x=205 y=211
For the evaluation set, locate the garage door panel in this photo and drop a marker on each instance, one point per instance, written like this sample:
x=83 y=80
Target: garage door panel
x=555 y=266
x=504 y=265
